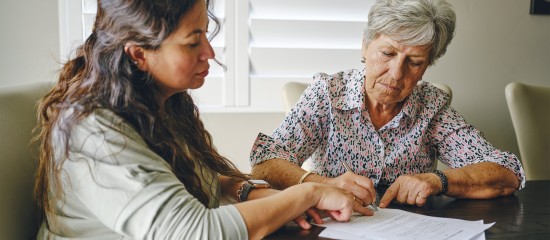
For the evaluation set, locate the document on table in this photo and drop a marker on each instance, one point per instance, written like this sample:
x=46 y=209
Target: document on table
x=395 y=224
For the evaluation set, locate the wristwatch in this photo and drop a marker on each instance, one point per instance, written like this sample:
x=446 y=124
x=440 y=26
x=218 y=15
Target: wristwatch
x=249 y=185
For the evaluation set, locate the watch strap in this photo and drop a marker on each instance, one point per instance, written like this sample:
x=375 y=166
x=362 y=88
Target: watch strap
x=244 y=190
x=444 y=182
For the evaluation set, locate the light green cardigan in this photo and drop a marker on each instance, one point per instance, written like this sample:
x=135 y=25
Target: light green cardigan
x=115 y=187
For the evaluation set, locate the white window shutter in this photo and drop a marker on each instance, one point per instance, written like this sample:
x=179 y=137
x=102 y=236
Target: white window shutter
x=263 y=43
x=293 y=40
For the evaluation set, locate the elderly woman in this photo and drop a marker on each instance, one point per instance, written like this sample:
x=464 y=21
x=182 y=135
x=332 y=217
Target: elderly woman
x=385 y=125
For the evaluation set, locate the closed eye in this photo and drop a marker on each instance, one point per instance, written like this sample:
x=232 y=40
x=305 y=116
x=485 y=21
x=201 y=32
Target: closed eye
x=416 y=64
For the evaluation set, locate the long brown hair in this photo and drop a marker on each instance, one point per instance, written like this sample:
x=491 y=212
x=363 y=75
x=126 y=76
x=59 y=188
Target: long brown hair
x=101 y=75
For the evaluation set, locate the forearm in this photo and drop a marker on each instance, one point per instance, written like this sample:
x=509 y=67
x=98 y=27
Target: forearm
x=481 y=181
x=282 y=174
x=264 y=216
x=230 y=186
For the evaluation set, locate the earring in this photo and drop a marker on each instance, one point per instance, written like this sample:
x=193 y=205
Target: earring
x=363 y=59
x=135 y=62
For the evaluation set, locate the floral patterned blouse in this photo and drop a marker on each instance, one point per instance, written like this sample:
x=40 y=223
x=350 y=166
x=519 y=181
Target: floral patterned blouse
x=330 y=123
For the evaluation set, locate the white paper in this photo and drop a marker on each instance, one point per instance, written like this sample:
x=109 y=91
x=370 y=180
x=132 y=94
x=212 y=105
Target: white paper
x=395 y=224
x=336 y=234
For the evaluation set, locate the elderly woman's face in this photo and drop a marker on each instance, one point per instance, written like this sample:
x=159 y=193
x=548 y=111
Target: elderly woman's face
x=393 y=69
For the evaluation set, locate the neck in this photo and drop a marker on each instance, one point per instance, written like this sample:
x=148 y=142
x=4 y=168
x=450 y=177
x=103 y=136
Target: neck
x=380 y=113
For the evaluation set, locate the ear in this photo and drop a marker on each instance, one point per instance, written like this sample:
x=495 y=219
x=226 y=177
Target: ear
x=137 y=54
x=363 y=52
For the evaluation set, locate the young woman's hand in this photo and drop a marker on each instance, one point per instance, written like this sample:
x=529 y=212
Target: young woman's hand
x=339 y=203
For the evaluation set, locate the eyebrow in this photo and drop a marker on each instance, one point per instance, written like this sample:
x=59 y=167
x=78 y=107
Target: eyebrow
x=388 y=44
x=196 y=31
x=420 y=56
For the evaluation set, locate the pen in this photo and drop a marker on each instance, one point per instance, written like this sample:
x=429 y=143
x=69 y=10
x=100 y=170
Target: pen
x=348 y=169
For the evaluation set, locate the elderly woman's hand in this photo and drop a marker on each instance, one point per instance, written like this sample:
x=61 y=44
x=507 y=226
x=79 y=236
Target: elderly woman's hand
x=412 y=189
x=360 y=186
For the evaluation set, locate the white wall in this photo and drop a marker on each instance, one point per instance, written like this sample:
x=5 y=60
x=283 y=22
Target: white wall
x=234 y=134
x=497 y=42
x=29 y=42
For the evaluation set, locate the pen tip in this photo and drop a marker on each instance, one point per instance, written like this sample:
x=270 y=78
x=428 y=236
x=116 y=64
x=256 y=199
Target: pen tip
x=375 y=208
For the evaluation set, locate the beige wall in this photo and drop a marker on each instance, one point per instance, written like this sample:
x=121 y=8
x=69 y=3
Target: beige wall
x=497 y=42
x=29 y=42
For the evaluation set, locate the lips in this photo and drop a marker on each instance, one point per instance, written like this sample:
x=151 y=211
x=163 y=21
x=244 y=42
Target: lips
x=391 y=87
x=203 y=74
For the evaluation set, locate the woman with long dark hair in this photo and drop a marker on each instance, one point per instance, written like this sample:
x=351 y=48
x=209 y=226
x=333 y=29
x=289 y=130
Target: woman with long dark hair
x=124 y=154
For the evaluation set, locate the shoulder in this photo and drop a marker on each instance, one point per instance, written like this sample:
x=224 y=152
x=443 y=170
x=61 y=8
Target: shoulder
x=105 y=122
x=426 y=100
x=104 y=136
x=429 y=94
x=344 y=88
x=109 y=143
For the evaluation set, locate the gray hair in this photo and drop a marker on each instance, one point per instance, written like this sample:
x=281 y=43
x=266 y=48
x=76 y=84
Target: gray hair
x=413 y=22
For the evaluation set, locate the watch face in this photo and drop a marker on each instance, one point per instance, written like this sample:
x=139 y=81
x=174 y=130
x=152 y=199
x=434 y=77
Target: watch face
x=259 y=183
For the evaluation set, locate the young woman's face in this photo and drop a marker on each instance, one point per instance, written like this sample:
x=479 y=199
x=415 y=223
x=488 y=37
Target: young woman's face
x=181 y=62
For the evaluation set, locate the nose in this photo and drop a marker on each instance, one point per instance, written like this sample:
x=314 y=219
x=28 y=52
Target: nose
x=397 y=68
x=208 y=51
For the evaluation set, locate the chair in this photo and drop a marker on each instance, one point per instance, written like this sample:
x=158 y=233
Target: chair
x=530 y=111
x=18 y=159
x=293 y=90
x=445 y=88
x=291 y=94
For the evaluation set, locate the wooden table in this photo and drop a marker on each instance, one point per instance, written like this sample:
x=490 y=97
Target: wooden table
x=524 y=215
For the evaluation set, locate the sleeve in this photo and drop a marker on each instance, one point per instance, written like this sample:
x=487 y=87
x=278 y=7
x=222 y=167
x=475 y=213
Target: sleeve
x=460 y=144
x=131 y=190
x=302 y=131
